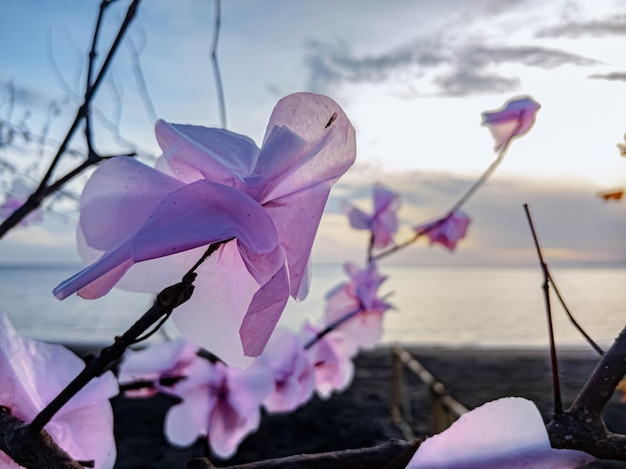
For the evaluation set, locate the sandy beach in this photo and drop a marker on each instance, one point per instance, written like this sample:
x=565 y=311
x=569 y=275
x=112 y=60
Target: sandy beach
x=360 y=416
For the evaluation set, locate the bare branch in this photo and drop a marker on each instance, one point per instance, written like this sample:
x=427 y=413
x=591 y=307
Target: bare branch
x=390 y=455
x=216 y=67
x=581 y=426
x=32 y=451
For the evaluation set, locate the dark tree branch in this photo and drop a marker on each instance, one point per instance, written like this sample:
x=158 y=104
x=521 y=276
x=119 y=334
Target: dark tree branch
x=32 y=451
x=581 y=426
x=393 y=454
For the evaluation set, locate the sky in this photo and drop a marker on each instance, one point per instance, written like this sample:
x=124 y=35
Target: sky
x=412 y=76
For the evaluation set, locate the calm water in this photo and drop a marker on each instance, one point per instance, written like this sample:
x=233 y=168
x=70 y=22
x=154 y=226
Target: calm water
x=447 y=306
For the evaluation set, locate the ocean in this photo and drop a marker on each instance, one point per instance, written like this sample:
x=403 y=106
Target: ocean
x=484 y=307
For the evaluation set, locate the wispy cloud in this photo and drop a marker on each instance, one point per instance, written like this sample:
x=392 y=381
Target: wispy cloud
x=612 y=76
x=613 y=26
x=452 y=69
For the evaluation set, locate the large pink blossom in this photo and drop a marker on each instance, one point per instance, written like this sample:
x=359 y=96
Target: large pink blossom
x=145 y=227
x=514 y=119
x=358 y=301
x=157 y=363
x=219 y=401
x=446 y=231
x=507 y=433
x=331 y=356
x=32 y=373
x=383 y=222
x=292 y=372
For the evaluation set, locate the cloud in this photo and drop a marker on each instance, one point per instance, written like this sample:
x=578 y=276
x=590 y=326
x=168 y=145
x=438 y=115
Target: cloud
x=453 y=69
x=612 y=76
x=613 y=26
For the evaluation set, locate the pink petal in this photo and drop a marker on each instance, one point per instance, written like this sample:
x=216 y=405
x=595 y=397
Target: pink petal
x=197 y=214
x=447 y=231
x=263 y=313
x=157 y=360
x=248 y=388
x=508 y=432
x=33 y=373
x=228 y=428
x=118 y=198
x=297 y=218
x=516 y=118
x=213 y=315
x=331 y=146
x=192 y=152
x=186 y=421
x=292 y=372
x=358 y=219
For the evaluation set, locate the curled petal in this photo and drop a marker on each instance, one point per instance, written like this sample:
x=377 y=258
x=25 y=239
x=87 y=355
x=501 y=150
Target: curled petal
x=508 y=432
x=516 y=118
x=447 y=231
x=263 y=313
x=329 y=148
x=192 y=152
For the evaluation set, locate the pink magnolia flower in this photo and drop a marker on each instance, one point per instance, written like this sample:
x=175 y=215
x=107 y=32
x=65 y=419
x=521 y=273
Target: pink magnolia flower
x=32 y=373
x=508 y=432
x=219 y=401
x=15 y=198
x=383 y=223
x=355 y=308
x=293 y=376
x=156 y=363
x=446 y=231
x=331 y=356
x=145 y=227
x=516 y=118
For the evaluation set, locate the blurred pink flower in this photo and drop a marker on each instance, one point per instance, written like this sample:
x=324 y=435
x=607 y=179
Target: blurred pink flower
x=355 y=306
x=15 y=198
x=219 y=401
x=508 y=432
x=155 y=363
x=331 y=356
x=516 y=118
x=383 y=223
x=150 y=226
x=446 y=231
x=285 y=360
x=32 y=373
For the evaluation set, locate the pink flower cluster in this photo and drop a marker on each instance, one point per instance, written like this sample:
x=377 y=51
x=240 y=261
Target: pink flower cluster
x=223 y=403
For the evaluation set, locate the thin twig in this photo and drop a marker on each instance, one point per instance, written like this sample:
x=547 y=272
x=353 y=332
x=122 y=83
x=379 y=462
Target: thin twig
x=35 y=200
x=556 y=385
x=589 y=340
x=215 y=63
x=462 y=201
x=332 y=326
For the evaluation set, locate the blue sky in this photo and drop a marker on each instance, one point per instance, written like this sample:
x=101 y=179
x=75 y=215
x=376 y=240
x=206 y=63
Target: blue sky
x=413 y=76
